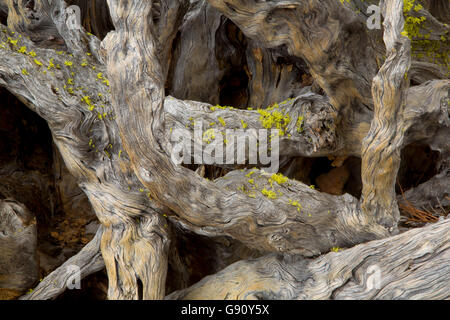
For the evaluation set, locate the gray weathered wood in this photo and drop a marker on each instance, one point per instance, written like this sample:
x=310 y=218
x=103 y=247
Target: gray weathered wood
x=412 y=265
x=111 y=120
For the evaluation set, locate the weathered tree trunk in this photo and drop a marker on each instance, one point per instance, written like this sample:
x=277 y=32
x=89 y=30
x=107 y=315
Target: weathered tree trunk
x=113 y=104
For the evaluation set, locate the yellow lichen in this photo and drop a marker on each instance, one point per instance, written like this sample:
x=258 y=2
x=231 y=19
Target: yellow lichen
x=222 y=122
x=279 y=178
x=274 y=119
x=209 y=135
x=50 y=64
x=13 y=42
x=295 y=204
x=87 y=100
x=269 y=193
x=299 y=124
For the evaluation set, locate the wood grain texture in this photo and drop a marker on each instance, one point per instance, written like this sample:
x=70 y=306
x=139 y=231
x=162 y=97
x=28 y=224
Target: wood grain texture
x=426 y=120
x=382 y=145
x=116 y=141
x=319 y=33
x=134 y=245
x=197 y=201
x=89 y=146
x=316 y=136
x=412 y=265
